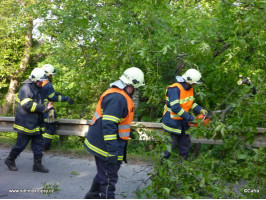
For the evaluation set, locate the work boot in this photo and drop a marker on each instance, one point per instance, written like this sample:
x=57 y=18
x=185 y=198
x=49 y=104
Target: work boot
x=10 y=162
x=94 y=192
x=38 y=167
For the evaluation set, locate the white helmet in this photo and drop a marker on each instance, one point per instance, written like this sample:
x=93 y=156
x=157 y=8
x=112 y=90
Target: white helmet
x=37 y=75
x=133 y=76
x=192 y=76
x=48 y=69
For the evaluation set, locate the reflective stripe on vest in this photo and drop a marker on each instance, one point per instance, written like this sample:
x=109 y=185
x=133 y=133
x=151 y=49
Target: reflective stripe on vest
x=123 y=124
x=185 y=101
x=124 y=130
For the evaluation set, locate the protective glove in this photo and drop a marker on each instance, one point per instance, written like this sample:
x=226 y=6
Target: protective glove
x=203 y=111
x=51 y=118
x=70 y=101
x=112 y=159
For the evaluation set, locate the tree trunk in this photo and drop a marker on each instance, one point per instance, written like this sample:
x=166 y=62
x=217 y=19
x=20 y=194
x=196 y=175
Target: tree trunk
x=14 y=82
x=10 y=96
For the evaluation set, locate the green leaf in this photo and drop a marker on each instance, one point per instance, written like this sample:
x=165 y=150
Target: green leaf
x=166 y=190
x=242 y=156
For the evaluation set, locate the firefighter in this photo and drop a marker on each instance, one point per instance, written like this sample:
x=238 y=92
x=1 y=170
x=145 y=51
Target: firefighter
x=110 y=130
x=29 y=122
x=179 y=101
x=50 y=118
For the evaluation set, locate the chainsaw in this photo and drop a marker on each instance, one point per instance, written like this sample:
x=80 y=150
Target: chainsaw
x=201 y=120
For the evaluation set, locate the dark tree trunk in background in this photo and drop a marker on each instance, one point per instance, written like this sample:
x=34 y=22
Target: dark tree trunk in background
x=15 y=79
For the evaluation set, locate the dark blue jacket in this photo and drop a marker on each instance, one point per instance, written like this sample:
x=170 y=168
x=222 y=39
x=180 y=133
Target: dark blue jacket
x=115 y=105
x=52 y=96
x=174 y=94
x=29 y=117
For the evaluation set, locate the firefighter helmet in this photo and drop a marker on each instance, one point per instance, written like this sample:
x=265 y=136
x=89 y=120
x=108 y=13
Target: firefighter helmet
x=48 y=69
x=192 y=76
x=133 y=76
x=37 y=74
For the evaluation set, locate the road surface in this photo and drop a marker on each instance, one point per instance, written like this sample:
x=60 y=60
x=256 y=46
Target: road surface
x=69 y=177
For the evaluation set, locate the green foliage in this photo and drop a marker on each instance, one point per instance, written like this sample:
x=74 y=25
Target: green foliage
x=11 y=41
x=161 y=38
x=92 y=42
x=49 y=188
x=75 y=173
x=69 y=142
x=7 y=139
x=217 y=173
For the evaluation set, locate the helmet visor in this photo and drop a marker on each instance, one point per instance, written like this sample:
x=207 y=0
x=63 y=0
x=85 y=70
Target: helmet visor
x=199 y=81
x=42 y=78
x=54 y=72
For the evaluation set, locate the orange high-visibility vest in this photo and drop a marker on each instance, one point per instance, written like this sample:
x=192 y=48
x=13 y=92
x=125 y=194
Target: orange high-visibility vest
x=43 y=84
x=185 y=101
x=124 y=124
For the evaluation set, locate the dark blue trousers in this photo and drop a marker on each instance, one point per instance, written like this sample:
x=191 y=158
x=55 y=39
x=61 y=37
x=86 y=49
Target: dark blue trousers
x=107 y=177
x=23 y=140
x=183 y=142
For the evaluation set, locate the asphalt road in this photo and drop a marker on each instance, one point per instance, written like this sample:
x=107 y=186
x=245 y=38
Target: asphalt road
x=70 y=177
